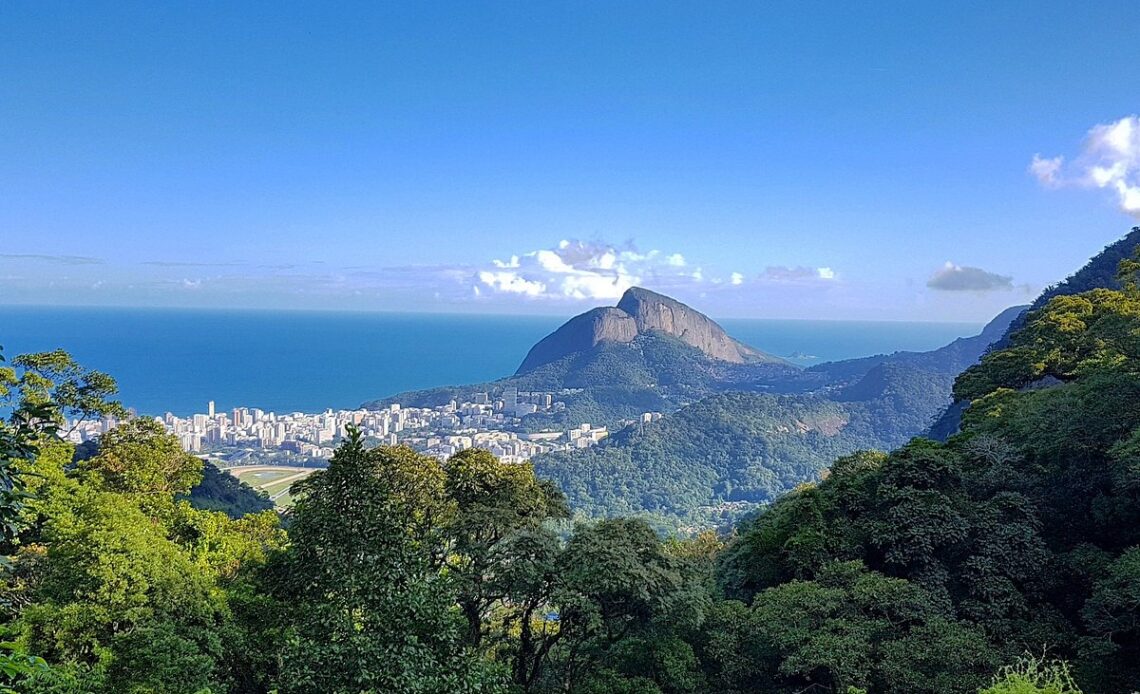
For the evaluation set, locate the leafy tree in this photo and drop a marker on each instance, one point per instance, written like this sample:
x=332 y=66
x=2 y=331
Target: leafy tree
x=57 y=380
x=493 y=503
x=40 y=390
x=618 y=584
x=851 y=627
x=366 y=606
x=115 y=583
x=139 y=457
x=1033 y=676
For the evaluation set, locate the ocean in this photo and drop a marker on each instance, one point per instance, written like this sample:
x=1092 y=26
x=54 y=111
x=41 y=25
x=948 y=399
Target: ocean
x=177 y=360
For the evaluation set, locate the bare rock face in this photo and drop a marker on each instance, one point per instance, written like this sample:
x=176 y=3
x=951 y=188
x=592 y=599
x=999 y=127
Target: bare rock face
x=580 y=333
x=655 y=312
x=640 y=312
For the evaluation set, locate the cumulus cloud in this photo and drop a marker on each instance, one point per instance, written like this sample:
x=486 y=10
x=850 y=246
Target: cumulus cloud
x=1109 y=159
x=511 y=283
x=578 y=270
x=737 y=278
x=956 y=278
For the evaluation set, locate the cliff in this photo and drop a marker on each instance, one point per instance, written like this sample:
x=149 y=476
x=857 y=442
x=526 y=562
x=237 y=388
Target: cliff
x=580 y=333
x=640 y=312
x=653 y=312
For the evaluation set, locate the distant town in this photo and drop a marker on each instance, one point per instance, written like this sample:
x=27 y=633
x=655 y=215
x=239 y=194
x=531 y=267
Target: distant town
x=251 y=436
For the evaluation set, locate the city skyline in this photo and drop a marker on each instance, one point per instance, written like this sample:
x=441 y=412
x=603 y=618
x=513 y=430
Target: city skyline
x=250 y=435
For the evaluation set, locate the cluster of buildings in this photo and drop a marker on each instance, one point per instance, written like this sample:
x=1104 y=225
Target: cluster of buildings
x=484 y=422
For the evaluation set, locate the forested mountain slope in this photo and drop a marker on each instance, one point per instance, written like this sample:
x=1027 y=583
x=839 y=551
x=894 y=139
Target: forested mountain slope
x=950 y=359
x=1099 y=273
x=1020 y=533
x=714 y=460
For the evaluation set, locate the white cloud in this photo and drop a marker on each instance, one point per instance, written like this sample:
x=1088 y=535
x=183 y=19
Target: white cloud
x=552 y=262
x=594 y=287
x=955 y=278
x=1047 y=171
x=582 y=270
x=575 y=270
x=511 y=283
x=1109 y=158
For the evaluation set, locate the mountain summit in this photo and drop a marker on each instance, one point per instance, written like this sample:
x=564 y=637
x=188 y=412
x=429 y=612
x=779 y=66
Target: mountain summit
x=641 y=312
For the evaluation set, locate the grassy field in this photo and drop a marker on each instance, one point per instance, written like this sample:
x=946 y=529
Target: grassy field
x=273 y=480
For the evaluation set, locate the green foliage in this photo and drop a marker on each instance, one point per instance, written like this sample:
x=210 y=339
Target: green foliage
x=493 y=503
x=1106 y=270
x=714 y=460
x=221 y=491
x=852 y=628
x=55 y=379
x=139 y=457
x=364 y=604
x=41 y=390
x=115 y=583
x=16 y=665
x=1033 y=676
x=1020 y=531
x=624 y=605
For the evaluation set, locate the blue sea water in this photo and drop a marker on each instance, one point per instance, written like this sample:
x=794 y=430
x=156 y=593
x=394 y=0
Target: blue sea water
x=177 y=360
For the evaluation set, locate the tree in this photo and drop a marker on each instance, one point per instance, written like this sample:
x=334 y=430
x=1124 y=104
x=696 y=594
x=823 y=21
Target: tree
x=494 y=502
x=852 y=627
x=366 y=606
x=40 y=390
x=1033 y=676
x=116 y=583
x=56 y=379
x=618 y=584
x=139 y=457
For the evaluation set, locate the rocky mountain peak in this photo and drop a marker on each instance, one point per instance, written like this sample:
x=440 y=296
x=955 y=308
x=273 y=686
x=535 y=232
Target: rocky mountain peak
x=640 y=312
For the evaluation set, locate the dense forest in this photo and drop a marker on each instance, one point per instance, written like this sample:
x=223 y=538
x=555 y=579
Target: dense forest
x=1005 y=560
x=713 y=461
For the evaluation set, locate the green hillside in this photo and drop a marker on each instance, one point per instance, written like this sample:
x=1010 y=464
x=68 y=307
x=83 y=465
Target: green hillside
x=1020 y=533
x=714 y=460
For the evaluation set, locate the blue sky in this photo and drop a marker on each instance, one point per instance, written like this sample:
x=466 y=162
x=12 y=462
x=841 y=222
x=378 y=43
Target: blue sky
x=802 y=160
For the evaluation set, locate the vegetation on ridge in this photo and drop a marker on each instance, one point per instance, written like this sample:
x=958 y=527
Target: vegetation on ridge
x=713 y=461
